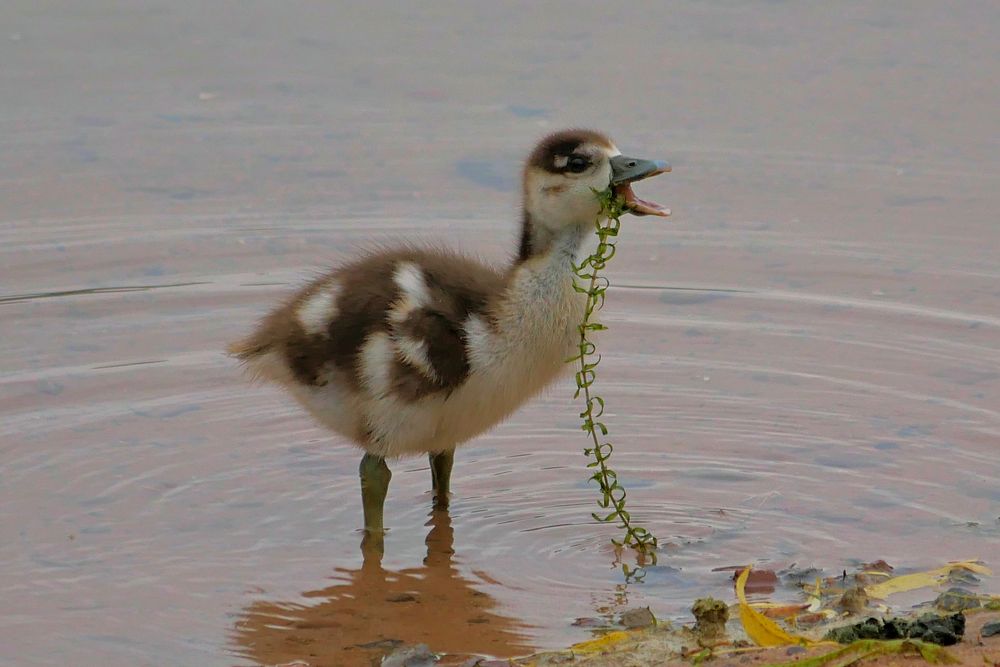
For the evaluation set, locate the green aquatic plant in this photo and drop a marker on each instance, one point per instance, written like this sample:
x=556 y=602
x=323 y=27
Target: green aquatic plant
x=589 y=281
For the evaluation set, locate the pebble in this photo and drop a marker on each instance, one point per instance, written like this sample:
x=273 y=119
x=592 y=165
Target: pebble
x=990 y=629
x=640 y=617
x=411 y=656
x=957 y=599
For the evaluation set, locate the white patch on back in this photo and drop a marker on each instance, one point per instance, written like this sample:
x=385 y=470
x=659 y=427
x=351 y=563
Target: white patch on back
x=317 y=311
x=377 y=356
x=393 y=426
x=509 y=363
x=410 y=279
x=414 y=352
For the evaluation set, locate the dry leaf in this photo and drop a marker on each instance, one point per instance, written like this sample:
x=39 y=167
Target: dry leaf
x=602 y=643
x=762 y=630
x=779 y=610
x=909 y=582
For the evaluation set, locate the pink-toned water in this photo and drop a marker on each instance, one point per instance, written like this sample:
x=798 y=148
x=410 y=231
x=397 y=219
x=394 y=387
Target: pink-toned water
x=803 y=364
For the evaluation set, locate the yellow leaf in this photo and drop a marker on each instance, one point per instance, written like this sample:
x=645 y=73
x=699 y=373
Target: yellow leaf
x=909 y=582
x=972 y=566
x=762 y=630
x=875 y=573
x=602 y=643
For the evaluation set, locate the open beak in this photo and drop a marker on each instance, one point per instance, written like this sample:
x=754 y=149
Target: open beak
x=627 y=170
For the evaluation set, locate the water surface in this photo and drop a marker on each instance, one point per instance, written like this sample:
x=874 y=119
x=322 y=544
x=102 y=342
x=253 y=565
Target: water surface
x=803 y=364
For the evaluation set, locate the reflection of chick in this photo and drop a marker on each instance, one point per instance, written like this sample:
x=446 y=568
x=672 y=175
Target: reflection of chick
x=411 y=351
x=353 y=623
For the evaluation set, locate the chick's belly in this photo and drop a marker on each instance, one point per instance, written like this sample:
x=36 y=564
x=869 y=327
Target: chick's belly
x=487 y=399
x=333 y=406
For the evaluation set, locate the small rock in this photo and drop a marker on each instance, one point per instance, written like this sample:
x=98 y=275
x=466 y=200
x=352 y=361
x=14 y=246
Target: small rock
x=940 y=635
x=411 y=656
x=758 y=581
x=990 y=629
x=795 y=650
x=962 y=577
x=402 y=597
x=878 y=566
x=943 y=630
x=640 y=617
x=958 y=599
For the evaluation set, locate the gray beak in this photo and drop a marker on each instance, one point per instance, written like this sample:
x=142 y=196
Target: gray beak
x=629 y=169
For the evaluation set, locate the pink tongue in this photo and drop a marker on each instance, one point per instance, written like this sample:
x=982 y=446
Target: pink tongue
x=639 y=206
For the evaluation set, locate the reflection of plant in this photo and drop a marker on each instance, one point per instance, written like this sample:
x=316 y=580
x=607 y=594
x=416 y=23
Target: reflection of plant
x=595 y=286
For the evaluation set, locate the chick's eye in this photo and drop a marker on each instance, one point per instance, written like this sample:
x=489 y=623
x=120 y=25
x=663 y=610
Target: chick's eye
x=577 y=164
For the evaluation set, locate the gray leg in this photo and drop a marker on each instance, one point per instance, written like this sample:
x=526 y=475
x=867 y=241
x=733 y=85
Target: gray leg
x=372 y=549
x=375 y=476
x=441 y=464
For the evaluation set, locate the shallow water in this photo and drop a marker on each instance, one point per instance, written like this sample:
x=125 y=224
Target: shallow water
x=803 y=364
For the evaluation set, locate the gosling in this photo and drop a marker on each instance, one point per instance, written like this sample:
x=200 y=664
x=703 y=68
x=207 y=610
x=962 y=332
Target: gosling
x=419 y=350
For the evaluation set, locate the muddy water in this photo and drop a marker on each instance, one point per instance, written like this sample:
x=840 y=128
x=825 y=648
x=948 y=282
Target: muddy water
x=803 y=364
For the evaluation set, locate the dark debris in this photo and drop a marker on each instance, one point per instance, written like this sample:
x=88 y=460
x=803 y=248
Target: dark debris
x=931 y=628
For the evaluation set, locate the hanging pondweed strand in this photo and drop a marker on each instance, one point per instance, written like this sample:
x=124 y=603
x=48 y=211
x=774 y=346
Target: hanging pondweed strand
x=590 y=282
